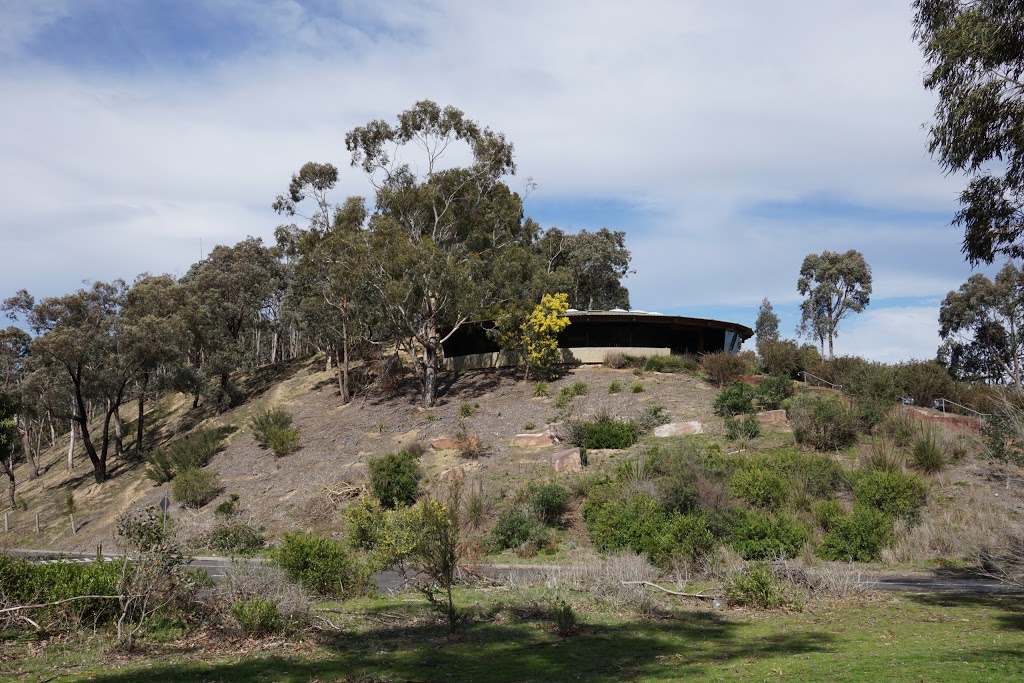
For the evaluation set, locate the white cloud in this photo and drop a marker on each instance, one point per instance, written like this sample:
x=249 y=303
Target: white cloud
x=891 y=334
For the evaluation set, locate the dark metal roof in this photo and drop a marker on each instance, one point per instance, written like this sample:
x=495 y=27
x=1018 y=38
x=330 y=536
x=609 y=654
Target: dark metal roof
x=743 y=331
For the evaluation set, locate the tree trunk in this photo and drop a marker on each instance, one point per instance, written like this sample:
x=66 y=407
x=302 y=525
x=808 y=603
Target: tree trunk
x=429 y=373
x=224 y=379
x=118 y=433
x=9 y=471
x=142 y=415
x=344 y=359
x=830 y=356
x=273 y=345
x=99 y=466
x=31 y=456
x=71 y=448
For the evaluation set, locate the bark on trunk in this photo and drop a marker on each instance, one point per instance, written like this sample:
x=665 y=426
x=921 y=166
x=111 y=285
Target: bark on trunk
x=142 y=415
x=71 y=448
x=9 y=470
x=429 y=374
x=99 y=465
x=31 y=455
x=344 y=361
x=118 y=433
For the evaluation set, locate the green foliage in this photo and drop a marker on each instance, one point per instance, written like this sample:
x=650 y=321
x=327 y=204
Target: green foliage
x=823 y=422
x=672 y=363
x=636 y=387
x=883 y=455
x=570 y=391
x=227 y=508
x=784 y=357
x=1002 y=434
x=687 y=537
x=928 y=450
x=858 y=538
x=564 y=618
x=194 y=487
x=321 y=565
x=237 y=539
x=760 y=485
x=897 y=494
x=193 y=451
x=898 y=427
x=746 y=427
x=257 y=616
x=756 y=586
x=722 y=367
x=615 y=387
x=475 y=507
x=736 y=398
x=767 y=325
x=282 y=442
x=653 y=416
x=513 y=529
x=605 y=432
x=540 y=333
x=636 y=523
x=272 y=429
x=757 y=536
x=548 y=502
x=828 y=514
x=772 y=391
x=541 y=390
x=874 y=387
x=924 y=382
x=835 y=286
x=466 y=410
x=26 y=583
x=395 y=479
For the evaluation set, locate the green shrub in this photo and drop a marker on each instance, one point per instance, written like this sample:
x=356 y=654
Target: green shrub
x=541 y=390
x=513 y=529
x=636 y=523
x=564 y=618
x=736 y=398
x=567 y=393
x=236 y=538
x=760 y=486
x=823 y=422
x=756 y=586
x=781 y=358
x=26 y=583
x=928 y=451
x=772 y=391
x=746 y=427
x=858 y=538
x=924 y=382
x=653 y=416
x=882 y=455
x=605 y=432
x=899 y=427
x=637 y=387
x=227 y=508
x=321 y=565
x=897 y=494
x=687 y=537
x=270 y=420
x=615 y=387
x=615 y=359
x=395 y=479
x=874 y=388
x=672 y=363
x=722 y=367
x=467 y=410
x=756 y=536
x=548 y=502
x=282 y=441
x=828 y=514
x=257 y=617
x=194 y=487
x=193 y=451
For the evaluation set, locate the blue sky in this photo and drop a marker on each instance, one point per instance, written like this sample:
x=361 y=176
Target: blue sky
x=727 y=141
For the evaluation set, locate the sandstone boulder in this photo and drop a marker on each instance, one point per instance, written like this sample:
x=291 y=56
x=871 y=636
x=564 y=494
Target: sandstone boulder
x=567 y=460
x=679 y=428
x=532 y=440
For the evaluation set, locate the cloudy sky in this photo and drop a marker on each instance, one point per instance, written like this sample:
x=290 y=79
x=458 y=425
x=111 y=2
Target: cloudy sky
x=728 y=140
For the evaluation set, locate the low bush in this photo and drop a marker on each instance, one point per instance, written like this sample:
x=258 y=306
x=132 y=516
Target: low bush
x=760 y=486
x=637 y=387
x=823 y=422
x=615 y=359
x=686 y=537
x=257 y=616
x=772 y=391
x=653 y=416
x=467 y=410
x=899 y=427
x=722 y=367
x=928 y=450
x=321 y=565
x=261 y=424
x=897 y=494
x=859 y=537
x=514 y=528
x=672 y=363
x=874 y=388
x=781 y=358
x=26 y=583
x=735 y=398
x=194 y=487
x=827 y=514
x=924 y=382
x=193 y=451
x=541 y=390
x=567 y=393
x=615 y=387
x=282 y=442
x=882 y=454
x=244 y=583
x=605 y=432
x=237 y=539
x=395 y=479
x=756 y=536
x=756 y=586
x=548 y=502
x=227 y=508
x=746 y=427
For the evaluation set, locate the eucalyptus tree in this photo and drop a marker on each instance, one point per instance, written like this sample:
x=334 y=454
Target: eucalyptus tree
x=588 y=266
x=836 y=286
x=438 y=231
x=767 y=325
x=8 y=441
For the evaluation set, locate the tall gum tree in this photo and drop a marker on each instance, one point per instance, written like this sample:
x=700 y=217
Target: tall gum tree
x=836 y=286
x=438 y=229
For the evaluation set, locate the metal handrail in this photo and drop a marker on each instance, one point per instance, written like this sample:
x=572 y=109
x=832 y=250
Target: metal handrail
x=823 y=381
x=944 y=401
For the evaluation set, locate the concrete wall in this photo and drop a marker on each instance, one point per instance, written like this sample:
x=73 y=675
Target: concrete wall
x=587 y=355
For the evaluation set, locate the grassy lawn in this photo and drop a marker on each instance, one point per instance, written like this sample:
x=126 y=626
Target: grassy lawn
x=899 y=638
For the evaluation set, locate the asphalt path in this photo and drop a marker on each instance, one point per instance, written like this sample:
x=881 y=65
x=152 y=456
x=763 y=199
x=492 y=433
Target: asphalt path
x=940 y=581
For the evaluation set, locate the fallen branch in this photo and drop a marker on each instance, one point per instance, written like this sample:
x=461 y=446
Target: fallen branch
x=700 y=596
x=18 y=608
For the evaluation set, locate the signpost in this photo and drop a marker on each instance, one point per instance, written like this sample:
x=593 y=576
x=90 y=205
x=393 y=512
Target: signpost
x=165 y=503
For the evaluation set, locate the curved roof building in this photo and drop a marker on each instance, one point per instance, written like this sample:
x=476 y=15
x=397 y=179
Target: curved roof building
x=593 y=334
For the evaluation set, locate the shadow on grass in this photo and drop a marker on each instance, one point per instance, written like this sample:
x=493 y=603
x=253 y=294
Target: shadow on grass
x=689 y=644
x=1008 y=610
